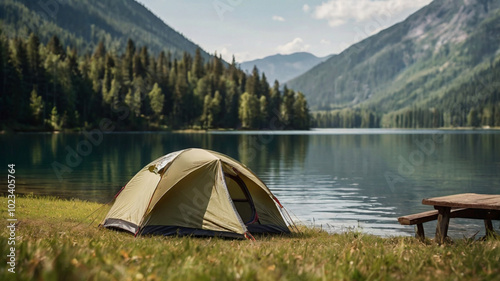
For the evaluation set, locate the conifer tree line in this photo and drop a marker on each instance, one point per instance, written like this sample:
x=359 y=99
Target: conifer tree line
x=473 y=102
x=52 y=87
x=346 y=118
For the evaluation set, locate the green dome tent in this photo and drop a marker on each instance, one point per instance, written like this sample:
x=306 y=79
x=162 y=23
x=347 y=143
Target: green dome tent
x=196 y=192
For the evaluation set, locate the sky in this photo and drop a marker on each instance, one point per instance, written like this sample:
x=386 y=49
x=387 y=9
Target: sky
x=252 y=29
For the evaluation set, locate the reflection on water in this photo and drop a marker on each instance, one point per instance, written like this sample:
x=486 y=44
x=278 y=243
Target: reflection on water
x=336 y=179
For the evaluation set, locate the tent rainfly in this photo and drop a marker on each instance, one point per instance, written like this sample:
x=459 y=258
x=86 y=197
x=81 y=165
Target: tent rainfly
x=196 y=192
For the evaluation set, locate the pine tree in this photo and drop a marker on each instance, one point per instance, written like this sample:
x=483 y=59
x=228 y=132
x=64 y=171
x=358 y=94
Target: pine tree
x=55 y=47
x=496 y=115
x=138 y=68
x=100 y=51
x=197 y=68
x=181 y=99
x=205 y=117
x=137 y=102
x=20 y=98
x=109 y=64
x=128 y=61
x=252 y=85
x=217 y=66
x=301 y=113
x=139 y=93
x=129 y=100
x=5 y=97
x=473 y=118
x=163 y=70
x=287 y=107
x=144 y=57
x=55 y=121
x=34 y=58
x=216 y=109
x=156 y=100
x=199 y=93
x=232 y=104
x=264 y=112
x=36 y=106
x=264 y=87
x=111 y=96
x=248 y=111
x=275 y=100
x=233 y=71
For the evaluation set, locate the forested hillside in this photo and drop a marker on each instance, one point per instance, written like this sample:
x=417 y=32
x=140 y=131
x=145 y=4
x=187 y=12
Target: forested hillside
x=437 y=68
x=52 y=87
x=84 y=23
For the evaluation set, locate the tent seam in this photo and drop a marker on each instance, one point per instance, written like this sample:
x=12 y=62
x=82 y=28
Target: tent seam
x=221 y=174
x=140 y=225
x=162 y=195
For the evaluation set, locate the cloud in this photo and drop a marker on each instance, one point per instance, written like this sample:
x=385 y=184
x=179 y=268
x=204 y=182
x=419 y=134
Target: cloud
x=242 y=56
x=296 y=45
x=325 y=42
x=278 y=18
x=225 y=53
x=339 y=12
x=306 y=8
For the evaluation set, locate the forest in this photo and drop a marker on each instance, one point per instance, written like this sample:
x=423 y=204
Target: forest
x=473 y=101
x=47 y=87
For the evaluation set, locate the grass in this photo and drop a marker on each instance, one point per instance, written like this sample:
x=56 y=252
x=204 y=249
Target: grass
x=56 y=240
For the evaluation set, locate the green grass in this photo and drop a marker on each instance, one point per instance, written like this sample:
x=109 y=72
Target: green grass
x=56 y=240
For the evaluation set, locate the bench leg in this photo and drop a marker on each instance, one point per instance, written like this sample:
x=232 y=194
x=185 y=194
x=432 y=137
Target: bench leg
x=442 y=224
x=420 y=232
x=489 y=227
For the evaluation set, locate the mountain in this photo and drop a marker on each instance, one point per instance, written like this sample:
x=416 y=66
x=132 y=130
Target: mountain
x=86 y=22
x=283 y=67
x=425 y=62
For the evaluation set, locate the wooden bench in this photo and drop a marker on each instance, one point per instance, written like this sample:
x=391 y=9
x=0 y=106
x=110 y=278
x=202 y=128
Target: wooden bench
x=420 y=218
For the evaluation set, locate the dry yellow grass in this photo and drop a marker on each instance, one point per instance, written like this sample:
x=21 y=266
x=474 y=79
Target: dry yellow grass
x=55 y=240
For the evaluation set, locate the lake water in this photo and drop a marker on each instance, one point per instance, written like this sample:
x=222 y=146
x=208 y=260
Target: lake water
x=335 y=179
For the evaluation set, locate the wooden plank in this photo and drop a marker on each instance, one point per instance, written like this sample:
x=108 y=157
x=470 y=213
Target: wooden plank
x=427 y=216
x=418 y=218
x=466 y=200
x=443 y=223
x=477 y=214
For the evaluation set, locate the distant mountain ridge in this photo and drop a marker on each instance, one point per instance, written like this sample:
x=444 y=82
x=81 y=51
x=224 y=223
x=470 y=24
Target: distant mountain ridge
x=112 y=21
x=284 y=67
x=412 y=63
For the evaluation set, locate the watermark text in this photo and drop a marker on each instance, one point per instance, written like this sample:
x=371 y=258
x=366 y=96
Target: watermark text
x=11 y=220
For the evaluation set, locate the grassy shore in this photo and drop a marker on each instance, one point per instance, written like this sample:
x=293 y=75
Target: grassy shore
x=56 y=240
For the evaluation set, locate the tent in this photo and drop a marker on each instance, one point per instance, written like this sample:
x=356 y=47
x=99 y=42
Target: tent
x=196 y=192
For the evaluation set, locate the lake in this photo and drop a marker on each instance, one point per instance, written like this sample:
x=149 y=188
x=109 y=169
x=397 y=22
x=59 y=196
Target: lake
x=337 y=179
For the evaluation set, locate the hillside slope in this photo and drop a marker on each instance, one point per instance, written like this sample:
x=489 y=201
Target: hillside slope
x=86 y=22
x=283 y=67
x=412 y=63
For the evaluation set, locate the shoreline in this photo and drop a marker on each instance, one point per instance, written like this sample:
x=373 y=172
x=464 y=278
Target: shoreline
x=222 y=130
